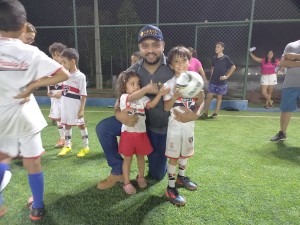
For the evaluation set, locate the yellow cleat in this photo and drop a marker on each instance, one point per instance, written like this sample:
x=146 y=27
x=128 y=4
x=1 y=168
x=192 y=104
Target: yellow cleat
x=64 y=151
x=83 y=152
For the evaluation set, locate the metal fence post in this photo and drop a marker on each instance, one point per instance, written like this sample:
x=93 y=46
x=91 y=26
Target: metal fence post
x=99 y=78
x=248 y=46
x=75 y=24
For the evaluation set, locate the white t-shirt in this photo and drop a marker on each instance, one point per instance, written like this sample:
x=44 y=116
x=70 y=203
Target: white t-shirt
x=138 y=107
x=21 y=64
x=292 y=78
x=73 y=89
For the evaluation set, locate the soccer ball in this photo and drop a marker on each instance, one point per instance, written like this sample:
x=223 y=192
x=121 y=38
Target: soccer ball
x=189 y=84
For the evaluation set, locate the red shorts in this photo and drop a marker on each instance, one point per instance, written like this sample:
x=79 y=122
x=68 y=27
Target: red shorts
x=134 y=143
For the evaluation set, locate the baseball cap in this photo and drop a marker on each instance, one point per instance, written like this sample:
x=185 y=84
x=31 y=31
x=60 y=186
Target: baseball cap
x=150 y=31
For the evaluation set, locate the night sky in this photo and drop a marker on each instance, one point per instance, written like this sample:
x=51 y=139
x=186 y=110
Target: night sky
x=265 y=36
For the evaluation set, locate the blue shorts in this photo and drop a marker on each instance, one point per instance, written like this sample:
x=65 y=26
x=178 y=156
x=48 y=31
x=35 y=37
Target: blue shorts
x=289 y=99
x=218 y=89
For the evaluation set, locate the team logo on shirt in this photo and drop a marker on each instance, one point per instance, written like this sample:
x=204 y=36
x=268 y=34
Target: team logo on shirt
x=66 y=89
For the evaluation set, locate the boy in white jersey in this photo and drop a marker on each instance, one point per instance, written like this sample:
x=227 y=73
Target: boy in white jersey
x=23 y=68
x=73 y=103
x=55 y=92
x=180 y=136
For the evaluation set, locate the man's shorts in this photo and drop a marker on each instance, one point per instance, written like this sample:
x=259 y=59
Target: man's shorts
x=268 y=79
x=289 y=99
x=180 y=139
x=28 y=147
x=218 y=89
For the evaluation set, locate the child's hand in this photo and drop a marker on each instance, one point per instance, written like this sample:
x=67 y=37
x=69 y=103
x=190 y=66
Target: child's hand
x=163 y=91
x=177 y=94
x=151 y=88
x=50 y=94
x=27 y=92
x=57 y=95
x=80 y=114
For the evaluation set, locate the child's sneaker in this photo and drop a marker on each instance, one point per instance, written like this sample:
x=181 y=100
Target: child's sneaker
x=64 y=151
x=183 y=181
x=174 y=196
x=36 y=214
x=60 y=143
x=83 y=152
x=204 y=116
x=280 y=136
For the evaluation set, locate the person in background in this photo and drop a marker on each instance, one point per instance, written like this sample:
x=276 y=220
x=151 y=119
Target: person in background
x=222 y=69
x=28 y=37
x=73 y=101
x=135 y=57
x=290 y=88
x=55 y=92
x=268 y=75
x=196 y=65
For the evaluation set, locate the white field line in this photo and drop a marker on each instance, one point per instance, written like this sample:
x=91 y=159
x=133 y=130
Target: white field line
x=238 y=116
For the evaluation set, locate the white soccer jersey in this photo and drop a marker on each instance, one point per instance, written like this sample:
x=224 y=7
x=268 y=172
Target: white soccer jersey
x=21 y=64
x=73 y=89
x=180 y=136
x=138 y=107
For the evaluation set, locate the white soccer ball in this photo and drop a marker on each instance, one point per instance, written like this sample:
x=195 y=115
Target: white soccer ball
x=189 y=84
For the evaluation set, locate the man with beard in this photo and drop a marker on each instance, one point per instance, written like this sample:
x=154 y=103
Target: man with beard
x=153 y=71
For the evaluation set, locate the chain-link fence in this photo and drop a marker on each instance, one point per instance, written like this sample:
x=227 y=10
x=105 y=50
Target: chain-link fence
x=105 y=44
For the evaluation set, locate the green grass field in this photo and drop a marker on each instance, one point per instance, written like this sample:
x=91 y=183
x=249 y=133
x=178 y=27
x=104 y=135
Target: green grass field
x=243 y=178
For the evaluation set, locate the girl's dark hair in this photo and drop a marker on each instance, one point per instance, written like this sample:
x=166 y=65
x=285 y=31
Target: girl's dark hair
x=30 y=28
x=71 y=53
x=273 y=58
x=120 y=87
x=180 y=51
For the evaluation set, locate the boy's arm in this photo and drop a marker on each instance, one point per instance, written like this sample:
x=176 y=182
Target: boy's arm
x=168 y=105
x=229 y=73
x=61 y=75
x=82 y=106
x=199 y=101
x=289 y=63
x=292 y=56
x=162 y=91
x=150 y=88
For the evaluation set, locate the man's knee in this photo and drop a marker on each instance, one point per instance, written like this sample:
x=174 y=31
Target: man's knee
x=158 y=175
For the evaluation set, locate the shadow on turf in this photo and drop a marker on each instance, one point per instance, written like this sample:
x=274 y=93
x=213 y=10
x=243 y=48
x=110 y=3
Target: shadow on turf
x=286 y=152
x=93 y=206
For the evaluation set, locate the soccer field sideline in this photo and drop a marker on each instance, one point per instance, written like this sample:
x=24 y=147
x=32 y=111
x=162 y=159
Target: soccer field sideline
x=238 y=116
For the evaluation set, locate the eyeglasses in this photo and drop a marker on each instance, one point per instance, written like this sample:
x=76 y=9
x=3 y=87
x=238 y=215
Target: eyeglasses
x=29 y=40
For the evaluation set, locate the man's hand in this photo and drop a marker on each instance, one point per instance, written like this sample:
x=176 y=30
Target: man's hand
x=186 y=116
x=125 y=118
